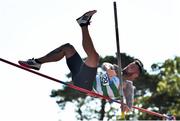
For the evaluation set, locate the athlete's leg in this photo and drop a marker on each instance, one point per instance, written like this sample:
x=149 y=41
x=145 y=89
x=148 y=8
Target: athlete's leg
x=65 y=50
x=92 y=59
x=92 y=56
x=57 y=54
x=87 y=73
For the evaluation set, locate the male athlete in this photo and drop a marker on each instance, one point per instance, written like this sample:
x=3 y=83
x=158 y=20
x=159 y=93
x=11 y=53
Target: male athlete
x=84 y=73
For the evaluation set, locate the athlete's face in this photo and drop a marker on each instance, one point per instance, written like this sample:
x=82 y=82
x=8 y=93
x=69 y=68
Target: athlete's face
x=132 y=71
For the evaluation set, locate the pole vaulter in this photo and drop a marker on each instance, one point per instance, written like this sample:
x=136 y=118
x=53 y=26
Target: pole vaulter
x=83 y=90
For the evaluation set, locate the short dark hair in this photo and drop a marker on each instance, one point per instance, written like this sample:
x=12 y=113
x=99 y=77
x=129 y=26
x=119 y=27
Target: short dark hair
x=140 y=65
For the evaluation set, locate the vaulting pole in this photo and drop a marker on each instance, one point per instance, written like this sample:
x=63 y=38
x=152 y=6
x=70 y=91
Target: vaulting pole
x=119 y=59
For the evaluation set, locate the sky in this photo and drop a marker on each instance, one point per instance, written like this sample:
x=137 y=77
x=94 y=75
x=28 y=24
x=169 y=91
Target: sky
x=148 y=30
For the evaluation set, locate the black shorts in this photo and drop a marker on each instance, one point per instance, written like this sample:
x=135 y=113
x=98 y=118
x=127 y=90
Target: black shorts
x=82 y=75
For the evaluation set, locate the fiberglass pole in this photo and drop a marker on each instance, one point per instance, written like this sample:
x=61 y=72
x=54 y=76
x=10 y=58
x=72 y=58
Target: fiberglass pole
x=118 y=58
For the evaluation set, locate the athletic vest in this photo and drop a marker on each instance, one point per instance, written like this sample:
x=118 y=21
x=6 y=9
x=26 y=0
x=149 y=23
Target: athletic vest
x=104 y=86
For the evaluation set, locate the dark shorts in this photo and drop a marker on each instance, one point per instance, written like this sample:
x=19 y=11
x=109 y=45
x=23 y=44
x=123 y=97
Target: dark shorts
x=82 y=75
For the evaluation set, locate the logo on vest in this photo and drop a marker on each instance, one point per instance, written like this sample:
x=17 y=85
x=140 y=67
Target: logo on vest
x=104 y=79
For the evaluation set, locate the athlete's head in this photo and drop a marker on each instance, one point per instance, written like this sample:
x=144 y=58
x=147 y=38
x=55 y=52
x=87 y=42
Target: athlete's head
x=133 y=70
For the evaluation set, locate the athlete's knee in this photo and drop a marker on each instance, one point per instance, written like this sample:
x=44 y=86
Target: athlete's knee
x=68 y=49
x=67 y=45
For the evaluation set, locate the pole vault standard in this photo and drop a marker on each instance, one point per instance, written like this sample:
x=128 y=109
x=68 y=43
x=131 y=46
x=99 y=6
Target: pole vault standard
x=118 y=54
x=81 y=89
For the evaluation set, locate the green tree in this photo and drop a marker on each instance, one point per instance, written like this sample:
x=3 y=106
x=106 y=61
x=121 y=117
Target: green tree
x=165 y=93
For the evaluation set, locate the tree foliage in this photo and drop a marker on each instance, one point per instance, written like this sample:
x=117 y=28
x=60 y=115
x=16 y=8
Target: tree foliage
x=166 y=97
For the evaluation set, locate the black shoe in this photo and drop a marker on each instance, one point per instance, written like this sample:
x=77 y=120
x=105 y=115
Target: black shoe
x=84 y=20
